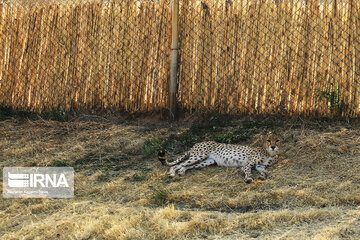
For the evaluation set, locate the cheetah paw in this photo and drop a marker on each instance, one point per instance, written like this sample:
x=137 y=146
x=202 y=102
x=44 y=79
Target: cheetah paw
x=171 y=175
x=263 y=176
x=181 y=172
x=248 y=180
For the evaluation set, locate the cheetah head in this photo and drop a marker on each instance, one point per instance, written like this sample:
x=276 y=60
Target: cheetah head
x=272 y=143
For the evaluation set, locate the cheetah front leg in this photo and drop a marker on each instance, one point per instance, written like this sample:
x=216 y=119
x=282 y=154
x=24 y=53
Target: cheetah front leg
x=192 y=160
x=202 y=164
x=261 y=169
x=247 y=171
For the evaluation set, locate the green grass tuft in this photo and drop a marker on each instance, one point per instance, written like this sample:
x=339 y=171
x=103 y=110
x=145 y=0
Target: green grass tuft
x=136 y=178
x=159 y=196
x=232 y=137
x=59 y=163
x=151 y=146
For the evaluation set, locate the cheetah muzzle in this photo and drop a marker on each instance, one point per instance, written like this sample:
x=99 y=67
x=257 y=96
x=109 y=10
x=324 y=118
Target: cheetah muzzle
x=228 y=155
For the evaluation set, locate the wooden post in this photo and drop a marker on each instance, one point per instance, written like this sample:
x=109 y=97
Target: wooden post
x=174 y=58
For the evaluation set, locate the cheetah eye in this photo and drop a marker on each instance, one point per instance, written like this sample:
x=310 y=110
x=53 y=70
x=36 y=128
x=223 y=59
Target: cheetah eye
x=268 y=141
x=277 y=140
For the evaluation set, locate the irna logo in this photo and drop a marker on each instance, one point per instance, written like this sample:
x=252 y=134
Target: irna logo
x=37 y=180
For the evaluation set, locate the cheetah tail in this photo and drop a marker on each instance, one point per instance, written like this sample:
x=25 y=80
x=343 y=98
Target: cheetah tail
x=163 y=159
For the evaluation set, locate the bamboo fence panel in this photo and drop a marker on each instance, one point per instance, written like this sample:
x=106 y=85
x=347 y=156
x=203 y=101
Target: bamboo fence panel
x=294 y=57
x=238 y=57
x=84 y=55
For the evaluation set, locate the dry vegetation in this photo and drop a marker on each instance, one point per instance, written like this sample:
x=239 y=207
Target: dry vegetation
x=122 y=192
x=259 y=56
x=84 y=54
x=270 y=56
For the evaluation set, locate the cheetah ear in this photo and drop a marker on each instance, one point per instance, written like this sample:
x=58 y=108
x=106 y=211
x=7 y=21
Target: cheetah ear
x=258 y=139
x=277 y=134
x=263 y=133
x=282 y=136
x=287 y=136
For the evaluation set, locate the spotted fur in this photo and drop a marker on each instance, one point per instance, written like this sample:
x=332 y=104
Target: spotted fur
x=228 y=155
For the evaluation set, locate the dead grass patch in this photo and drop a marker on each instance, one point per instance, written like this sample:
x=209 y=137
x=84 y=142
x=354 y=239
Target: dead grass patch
x=121 y=192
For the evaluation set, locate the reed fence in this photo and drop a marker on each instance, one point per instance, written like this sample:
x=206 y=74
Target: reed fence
x=245 y=56
x=84 y=55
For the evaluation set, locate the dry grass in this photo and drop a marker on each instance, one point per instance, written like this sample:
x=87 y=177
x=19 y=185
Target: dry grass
x=120 y=193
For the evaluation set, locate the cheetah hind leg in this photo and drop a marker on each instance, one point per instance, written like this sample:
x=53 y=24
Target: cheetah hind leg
x=202 y=164
x=192 y=160
x=247 y=170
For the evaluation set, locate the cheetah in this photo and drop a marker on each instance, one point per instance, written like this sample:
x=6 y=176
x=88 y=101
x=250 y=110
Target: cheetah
x=227 y=155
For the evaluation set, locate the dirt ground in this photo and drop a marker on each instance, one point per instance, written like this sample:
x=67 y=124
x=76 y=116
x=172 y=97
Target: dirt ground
x=122 y=191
